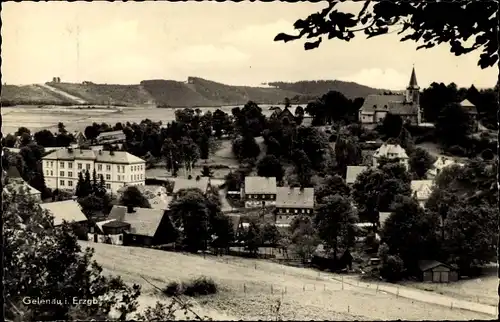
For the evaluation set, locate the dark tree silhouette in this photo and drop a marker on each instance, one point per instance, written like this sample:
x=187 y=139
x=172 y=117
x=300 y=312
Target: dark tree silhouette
x=427 y=22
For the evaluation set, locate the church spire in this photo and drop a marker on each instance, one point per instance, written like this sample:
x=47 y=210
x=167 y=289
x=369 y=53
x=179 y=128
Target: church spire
x=413 y=79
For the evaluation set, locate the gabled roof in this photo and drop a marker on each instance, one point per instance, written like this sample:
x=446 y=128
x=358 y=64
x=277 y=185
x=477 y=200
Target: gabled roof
x=98 y=156
x=422 y=188
x=13 y=172
x=425 y=265
x=466 y=103
x=18 y=185
x=413 y=80
x=256 y=185
x=377 y=101
x=353 y=171
x=387 y=149
x=181 y=183
x=144 y=221
x=105 y=135
x=68 y=210
x=294 y=197
x=402 y=108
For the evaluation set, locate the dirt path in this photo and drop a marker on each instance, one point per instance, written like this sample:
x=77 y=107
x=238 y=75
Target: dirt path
x=63 y=93
x=424 y=296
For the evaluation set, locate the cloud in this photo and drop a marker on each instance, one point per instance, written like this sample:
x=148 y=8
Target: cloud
x=209 y=54
x=379 y=78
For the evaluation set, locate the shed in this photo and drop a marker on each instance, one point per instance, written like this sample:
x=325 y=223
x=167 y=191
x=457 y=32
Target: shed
x=437 y=272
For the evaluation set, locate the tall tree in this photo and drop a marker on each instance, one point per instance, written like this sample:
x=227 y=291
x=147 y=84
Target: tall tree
x=270 y=166
x=429 y=23
x=132 y=197
x=334 y=221
x=453 y=124
x=420 y=162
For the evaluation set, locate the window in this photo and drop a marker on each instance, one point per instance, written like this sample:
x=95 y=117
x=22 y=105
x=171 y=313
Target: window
x=263 y=196
x=70 y=174
x=123 y=168
x=108 y=186
x=141 y=176
x=51 y=163
x=79 y=165
x=47 y=163
x=108 y=167
x=51 y=172
x=61 y=164
x=70 y=183
x=303 y=211
x=296 y=211
x=288 y=210
x=99 y=167
x=108 y=177
x=120 y=237
x=61 y=173
x=61 y=182
x=87 y=166
x=118 y=167
x=70 y=165
x=308 y=211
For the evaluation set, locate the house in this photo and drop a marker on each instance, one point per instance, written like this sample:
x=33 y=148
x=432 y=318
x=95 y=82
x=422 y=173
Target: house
x=142 y=226
x=286 y=114
x=202 y=183
x=353 y=172
x=259 y=191
x=118 y=168
x=437 y=272
x=80 y=138
x=108 y=231
x=471 y=110
x=71 y=212
x=376 y=106
x=291 y=202
x=111 y=137
x=439 y=165
x=391 y=151
x=421 y=190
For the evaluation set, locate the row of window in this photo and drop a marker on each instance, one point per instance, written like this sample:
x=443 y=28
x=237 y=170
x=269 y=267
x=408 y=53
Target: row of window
x=270 y=197
x=62 y=183
x=120 y=168
x=297 y=211
x=107 y=175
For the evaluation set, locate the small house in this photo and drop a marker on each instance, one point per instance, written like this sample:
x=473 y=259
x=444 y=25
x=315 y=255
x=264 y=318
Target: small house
x=108 y=231
x=352 y=173
x=146 y=226
x=437 y=272
x=111 y=137
x=202 y=183
x=291 y=202
x=260 y=191
x=421 y=190
x=439 y=165
x=392 y=152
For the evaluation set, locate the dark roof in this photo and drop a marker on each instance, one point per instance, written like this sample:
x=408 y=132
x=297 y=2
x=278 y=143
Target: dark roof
x=285 y=113
x=426 y=265
x=116 y=224
x=413 y=79
x=143 y=221
x=377 y=101
x=402 y=108
x=12 y=172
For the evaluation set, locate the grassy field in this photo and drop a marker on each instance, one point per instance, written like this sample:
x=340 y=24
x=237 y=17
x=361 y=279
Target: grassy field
x=32 y=94
x=249 y=288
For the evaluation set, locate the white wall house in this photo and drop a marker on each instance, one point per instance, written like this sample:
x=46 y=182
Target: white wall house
x=391 y=151
x=118 y=168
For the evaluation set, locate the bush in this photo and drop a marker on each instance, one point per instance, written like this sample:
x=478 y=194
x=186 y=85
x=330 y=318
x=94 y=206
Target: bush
x=190 y=177
x=200 y=286
x=195 y=287
x=392 y=268
x=173 y=289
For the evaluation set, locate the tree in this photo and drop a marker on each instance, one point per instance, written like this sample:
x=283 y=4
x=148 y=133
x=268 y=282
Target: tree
x=189 y=153
x=303 y=168
x=245 y=147
x=22 y=130
x=299 y=115
x=91 y=133
x=132 y=197
x=270 y=234
x=471 y=235
x=392 y=268
x=204 y=146
x=411 y=233
x=222 y=232
x=207 y=172
x=172 y=155
x=347 y=152
x=334 y=222
x=330 y=186
x=429 y=23
x=270 y=166
x=61 y=128
x=253 y=238
x=45 y=138
x=304 y=237
x=421 y=162
x=191 y=216
x=453 y=125
x=392 y=125
x=49 y=263
x=10 y=141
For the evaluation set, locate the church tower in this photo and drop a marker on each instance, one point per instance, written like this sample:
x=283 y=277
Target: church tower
x=413 y=90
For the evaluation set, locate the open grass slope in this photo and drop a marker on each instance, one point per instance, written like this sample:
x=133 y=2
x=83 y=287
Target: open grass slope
x=31 y=95
x=196 y=92
x=249 y=288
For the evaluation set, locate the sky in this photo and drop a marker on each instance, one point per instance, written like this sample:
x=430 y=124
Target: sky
x=231 y=43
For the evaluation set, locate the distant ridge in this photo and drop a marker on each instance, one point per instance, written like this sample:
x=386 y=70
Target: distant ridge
x=196 y=92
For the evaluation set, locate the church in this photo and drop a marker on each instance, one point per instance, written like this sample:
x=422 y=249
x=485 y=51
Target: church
x=407 y=106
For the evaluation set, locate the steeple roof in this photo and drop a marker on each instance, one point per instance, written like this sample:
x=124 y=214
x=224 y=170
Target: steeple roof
x=413 y=79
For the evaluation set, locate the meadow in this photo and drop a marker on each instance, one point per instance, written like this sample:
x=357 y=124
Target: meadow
x=250 y=288
x=76 y=119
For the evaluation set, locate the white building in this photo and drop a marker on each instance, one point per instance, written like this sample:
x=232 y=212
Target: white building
x=118 y=168
x=421 y=190
x=439 y=165
x=391 y=151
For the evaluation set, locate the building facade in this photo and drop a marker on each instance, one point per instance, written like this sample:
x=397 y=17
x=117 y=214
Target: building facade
x=259 y=192
x=292 y=202
x=118 y=168
x=391 y=152
x=376 y=107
